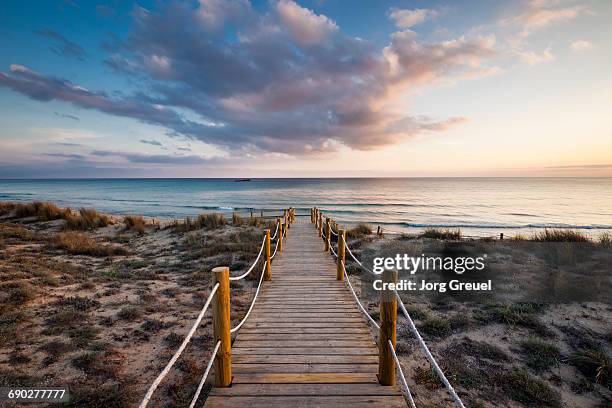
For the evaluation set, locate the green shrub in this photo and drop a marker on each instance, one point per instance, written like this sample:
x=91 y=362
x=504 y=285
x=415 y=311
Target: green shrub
x=526 y=389
x=594 y=363
x=541 y=355
x=436 y=326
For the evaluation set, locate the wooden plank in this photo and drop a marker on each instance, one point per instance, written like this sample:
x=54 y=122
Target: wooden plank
x=297 y=324
x=304 y=368
x=304 y=359
x=298 y=330
x=302 y=343
x=257 y=390
x=306 y=336
x=304 y=378
x=310 y=401
x=369 y=351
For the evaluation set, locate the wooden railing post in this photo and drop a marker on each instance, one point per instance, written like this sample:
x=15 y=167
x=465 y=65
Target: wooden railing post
x=341 y=254
x=388 y=320
x=221 y=327
x=267 y=270
x=289 y=218
x=280 y=235
x=320 y=224
x=327 y=234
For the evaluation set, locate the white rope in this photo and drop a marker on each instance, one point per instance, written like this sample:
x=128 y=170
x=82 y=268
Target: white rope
x=428 y=354
x=399 y=369
x=275 y=232
x=244 y=319
x=235 y=278
x=275 y=249
x=333 y=233
x=176 y=355
x=203 y=380
x=332 y=251
x=357 y=260
x=356 y=298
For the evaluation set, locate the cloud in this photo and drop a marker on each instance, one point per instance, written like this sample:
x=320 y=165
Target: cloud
x=156 y=158
x=406 y=19
x=65 y=115
x=66 y=155
x=63 y=46
x=534 y=58
x=582 y=167
x=305 y=26
x=540 y=14
x=285 y=81
x=151 y=142
x=581 y=45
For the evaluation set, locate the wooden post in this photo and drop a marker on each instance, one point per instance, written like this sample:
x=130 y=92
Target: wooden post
x=327 y=234
x=341 y=254
x=320 y=224
x=501 y=236
x=251 y=214
x=388 y=319
x=378 y=231
x=221 y=327
x=280 y=235
x=289 y=218
x=261 y=213
x=267 y=271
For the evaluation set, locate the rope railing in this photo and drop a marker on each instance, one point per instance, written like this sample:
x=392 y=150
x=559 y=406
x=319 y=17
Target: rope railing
x=178 y=352
x=203 y=380
x=357 y=260
x=275 y=231
x=244 y=275
x=246 y=316
x=275 y=249
x=357 y=299
x=401 y=373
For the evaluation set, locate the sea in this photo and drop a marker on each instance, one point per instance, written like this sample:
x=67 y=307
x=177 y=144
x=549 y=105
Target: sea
x=477 y=206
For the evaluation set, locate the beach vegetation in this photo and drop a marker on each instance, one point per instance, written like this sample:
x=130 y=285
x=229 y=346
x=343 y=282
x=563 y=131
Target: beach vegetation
x=87 y=219
x=43 y=210
x=438 y=233
x=135 y=223
x=76 y=243
x=129 y=313
x=427 y=377
x=529 y=390
x=359 y=231
x=17 y=293
x=559 y=235
x=207 y=221
x=436 y=326
x=541 y=355
x=593 y=363
x=605 y=240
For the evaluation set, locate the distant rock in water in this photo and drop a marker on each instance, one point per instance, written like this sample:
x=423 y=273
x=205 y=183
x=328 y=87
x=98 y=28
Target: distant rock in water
x=242 y=180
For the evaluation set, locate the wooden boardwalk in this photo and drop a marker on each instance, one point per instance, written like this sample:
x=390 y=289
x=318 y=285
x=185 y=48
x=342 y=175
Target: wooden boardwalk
x=306 y=343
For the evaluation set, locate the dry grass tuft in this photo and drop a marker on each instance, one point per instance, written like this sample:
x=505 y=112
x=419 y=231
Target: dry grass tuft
x=88 y=219
x=359 y=231
x=605 y=240
x=43 y=210
x=135 y=223
x=203 y=221
x=437 y=233
x=559 y=235
x=80 y=244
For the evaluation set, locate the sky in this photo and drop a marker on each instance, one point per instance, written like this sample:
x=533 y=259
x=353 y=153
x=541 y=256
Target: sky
x=322 y=88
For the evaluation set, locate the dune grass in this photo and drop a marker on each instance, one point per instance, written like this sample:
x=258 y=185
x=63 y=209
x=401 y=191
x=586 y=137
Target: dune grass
x=43 y=210
x=135 y=223
x=76 y=243
x=86 y=220
x=437 y=233
x=359 y=231
x=559 y=235
x=207 y=221
x=605 y=240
